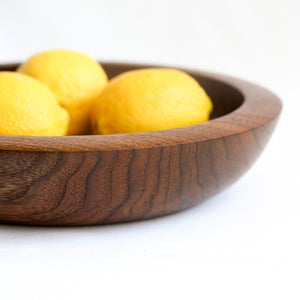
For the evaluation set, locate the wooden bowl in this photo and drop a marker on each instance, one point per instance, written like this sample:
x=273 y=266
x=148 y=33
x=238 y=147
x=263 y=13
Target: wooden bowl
x=84 y=180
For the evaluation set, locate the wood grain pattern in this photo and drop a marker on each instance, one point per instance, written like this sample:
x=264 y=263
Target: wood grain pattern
x=85 y=180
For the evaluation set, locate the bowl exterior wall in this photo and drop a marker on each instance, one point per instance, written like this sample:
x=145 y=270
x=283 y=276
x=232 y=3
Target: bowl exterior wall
x=100 y=187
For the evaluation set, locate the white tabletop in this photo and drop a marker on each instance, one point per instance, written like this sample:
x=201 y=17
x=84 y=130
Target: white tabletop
x=240 y=244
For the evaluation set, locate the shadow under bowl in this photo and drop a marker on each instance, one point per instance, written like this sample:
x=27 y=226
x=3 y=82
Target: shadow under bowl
x=86 y=180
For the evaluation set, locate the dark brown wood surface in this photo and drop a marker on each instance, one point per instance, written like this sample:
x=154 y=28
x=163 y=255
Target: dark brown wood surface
x=84 y=180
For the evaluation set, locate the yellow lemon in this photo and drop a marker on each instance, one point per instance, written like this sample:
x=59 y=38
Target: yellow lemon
x=75 y=79
x=150 y=99
x=27 y=107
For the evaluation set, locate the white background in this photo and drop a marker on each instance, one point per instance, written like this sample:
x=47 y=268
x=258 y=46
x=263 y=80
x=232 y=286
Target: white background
x=242 y=243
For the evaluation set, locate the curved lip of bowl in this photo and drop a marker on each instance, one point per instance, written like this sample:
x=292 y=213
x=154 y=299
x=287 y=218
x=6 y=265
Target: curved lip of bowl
x=260 y=106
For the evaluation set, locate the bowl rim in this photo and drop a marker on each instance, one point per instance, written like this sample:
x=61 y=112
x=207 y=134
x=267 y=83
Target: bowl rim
x=260 y=106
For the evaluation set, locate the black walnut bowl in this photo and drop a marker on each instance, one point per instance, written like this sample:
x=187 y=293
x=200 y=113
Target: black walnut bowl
x=85 y=180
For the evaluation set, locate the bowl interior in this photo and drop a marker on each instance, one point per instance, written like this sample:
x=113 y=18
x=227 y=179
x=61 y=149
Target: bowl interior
x=225 y=97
